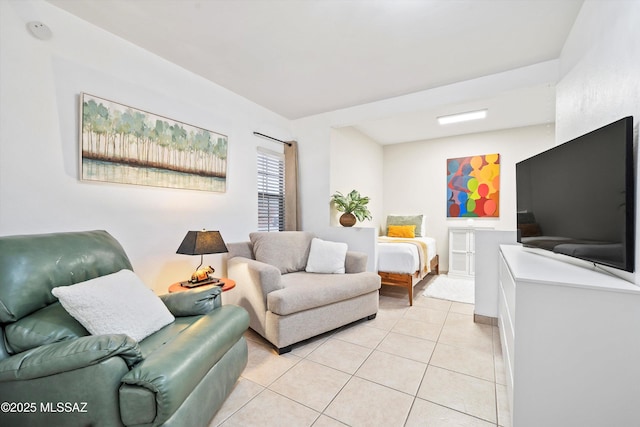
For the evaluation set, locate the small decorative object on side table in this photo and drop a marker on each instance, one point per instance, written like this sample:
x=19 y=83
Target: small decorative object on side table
x=224 y=283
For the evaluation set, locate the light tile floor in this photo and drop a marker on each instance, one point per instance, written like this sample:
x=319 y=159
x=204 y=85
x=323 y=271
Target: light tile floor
x=425 y=365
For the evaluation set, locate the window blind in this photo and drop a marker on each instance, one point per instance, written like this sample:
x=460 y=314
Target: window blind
x=270 y=191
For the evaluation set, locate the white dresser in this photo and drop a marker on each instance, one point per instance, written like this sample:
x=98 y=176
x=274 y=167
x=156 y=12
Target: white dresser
x=570 y=341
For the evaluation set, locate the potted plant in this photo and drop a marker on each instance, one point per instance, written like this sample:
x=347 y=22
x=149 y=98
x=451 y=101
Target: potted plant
x=353 y=205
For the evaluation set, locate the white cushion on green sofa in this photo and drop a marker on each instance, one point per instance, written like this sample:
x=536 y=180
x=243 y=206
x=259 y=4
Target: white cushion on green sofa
x=118 y=303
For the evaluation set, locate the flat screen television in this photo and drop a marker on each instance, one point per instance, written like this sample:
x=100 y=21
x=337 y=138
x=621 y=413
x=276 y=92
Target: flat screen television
x=578 y=198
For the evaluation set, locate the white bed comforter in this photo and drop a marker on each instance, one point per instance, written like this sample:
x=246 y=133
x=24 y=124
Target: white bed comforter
x=403 y=257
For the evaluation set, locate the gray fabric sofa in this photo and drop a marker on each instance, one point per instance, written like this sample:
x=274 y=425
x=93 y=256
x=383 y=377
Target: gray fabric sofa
x=286 y=304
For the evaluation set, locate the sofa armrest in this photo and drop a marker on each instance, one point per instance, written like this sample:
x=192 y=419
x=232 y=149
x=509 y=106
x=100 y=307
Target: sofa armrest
x=240 y=249
x=254 y=274
x=355 y=262
x=68 y=355
x=193 y=302
x=155 y=388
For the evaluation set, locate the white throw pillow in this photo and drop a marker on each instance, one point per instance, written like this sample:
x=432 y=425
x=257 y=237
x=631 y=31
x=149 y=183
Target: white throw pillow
x=326 y=257
x=117 y=303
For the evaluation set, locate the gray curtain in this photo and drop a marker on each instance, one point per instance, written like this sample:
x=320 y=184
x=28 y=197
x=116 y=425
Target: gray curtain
x=291 y=205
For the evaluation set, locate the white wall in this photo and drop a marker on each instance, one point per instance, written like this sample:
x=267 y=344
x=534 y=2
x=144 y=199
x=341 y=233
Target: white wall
x=39 y=188
x=415 y=177
x=314 y=138
x=600 y=77
x=600 y=63
x=356 y=163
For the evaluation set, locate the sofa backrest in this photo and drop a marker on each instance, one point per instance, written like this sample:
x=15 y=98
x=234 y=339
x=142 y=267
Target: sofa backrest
x=287 y=250
x=32 y=265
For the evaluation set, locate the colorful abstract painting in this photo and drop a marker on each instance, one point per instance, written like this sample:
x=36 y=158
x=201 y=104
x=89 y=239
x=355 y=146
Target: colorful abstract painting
x=473 y=186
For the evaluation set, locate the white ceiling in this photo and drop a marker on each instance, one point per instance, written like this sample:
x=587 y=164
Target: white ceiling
x=304 y=57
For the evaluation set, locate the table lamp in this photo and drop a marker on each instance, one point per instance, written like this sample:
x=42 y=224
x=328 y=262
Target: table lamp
x=200 y=243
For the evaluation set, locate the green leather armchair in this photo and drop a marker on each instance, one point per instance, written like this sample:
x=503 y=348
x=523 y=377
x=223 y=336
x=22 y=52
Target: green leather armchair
x=53 y=372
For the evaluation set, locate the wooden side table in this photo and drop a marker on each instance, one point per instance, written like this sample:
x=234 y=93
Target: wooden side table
x=226 y=285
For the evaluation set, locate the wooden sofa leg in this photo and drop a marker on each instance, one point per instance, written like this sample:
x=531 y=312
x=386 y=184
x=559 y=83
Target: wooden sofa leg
x=286 y=349
x=372 y=316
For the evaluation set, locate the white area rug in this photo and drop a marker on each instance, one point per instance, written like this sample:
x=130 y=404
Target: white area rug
x=452 y=288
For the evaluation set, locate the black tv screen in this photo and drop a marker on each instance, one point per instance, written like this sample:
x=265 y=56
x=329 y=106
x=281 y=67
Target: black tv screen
x=578 y=198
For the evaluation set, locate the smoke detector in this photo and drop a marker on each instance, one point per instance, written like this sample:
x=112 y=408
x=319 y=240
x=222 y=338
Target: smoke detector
x=39 y=30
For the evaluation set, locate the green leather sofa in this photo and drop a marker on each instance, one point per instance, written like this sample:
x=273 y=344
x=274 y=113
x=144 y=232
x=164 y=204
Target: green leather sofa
x=53 y=372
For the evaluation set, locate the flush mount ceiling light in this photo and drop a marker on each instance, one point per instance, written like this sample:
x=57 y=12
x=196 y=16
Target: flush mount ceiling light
x=462 y=117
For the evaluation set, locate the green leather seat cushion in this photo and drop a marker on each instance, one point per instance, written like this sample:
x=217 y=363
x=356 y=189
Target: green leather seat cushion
x=166 y=334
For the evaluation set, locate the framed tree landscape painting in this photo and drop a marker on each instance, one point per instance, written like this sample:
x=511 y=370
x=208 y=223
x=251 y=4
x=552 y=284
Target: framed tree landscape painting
x=125 y=145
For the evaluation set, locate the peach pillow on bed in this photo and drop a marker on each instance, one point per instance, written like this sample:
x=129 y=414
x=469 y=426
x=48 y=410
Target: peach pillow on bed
x=402 y=231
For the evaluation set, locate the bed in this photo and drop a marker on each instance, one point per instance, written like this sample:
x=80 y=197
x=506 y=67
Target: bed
x=405 y=258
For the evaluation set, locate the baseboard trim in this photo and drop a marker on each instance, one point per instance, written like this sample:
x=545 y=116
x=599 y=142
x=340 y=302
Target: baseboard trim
x=485 y=320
